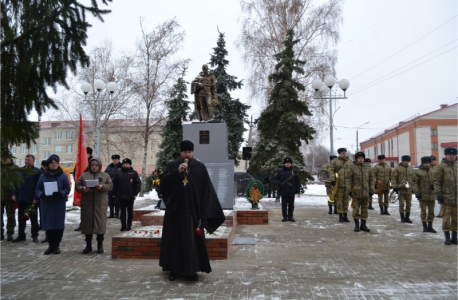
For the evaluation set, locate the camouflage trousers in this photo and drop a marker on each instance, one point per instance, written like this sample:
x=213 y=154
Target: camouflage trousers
x=405 y=202
x=7 y=205
x=342 y=200
x=383 y=198
x=449 y=218
x=427 y=205
x=360 y=206
x=328 y=193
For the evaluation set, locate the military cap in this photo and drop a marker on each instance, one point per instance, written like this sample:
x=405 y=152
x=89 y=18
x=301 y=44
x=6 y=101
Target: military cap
x=341 y=150
x=186 y=146
x=127 y=160
x=405 y=158
x=115 y=156
x=425 y=159
x=332 y=157
x=381 y=156
x=450 y=150
x=287 y=160
x=367 y=160
x=358 y=154
x=433 y=157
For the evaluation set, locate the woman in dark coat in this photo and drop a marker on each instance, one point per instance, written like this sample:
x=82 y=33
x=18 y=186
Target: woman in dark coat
x=53 y=206
x=94 y=204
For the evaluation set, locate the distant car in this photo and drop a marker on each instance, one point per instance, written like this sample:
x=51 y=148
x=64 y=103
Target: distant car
x=242 y=179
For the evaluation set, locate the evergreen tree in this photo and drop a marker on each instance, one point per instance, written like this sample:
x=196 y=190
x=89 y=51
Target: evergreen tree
x=40 y=41
x=230 y=111
x=172 y=135
x=280 y=129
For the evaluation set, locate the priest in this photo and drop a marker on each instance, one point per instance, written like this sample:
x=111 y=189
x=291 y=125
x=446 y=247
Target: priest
x=192 y=207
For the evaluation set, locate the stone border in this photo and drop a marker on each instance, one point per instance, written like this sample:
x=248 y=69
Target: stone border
x=253 y=217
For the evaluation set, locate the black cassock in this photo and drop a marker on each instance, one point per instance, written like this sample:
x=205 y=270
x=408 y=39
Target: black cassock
x=182 y=251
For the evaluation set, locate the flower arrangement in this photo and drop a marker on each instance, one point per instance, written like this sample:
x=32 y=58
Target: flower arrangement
x=255 y=192
x=31 y=211
x=155 y=178
x=255 y=195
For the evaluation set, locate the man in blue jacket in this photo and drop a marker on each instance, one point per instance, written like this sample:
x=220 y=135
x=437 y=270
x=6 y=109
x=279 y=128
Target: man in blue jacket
x=289 y=185
x=24 y=195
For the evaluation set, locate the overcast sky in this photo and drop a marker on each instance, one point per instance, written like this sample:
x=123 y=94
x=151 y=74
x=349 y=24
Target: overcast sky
x=416 y=39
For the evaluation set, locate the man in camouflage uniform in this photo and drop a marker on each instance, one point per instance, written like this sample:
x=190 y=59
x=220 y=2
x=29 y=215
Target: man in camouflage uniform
x=382 y=171
x=6 y=200
x=204 y=88
x=341 y=166
x=402 y=180
x=446 y=188
x=325 y=174
x=368 y=162
x=423 y=188
x=360 y=184
x=433 y=167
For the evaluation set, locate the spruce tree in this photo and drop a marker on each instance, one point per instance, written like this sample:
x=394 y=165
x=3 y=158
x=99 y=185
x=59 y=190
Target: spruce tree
x=172 y=135
x=230 y=111
x=280 y=129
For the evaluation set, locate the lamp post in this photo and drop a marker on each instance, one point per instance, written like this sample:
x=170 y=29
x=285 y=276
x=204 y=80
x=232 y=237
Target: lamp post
x=98 y=96
x=330 y=82
x=357 y=145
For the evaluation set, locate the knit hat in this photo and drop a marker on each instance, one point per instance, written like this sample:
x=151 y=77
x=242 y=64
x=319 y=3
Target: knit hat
x=127 y=160
x=332 y=157
x=186 y=146
x=287 y=160
x=425 y=159
x=44 y=163
x=405 y=158
x=115 y=156
x=341 y=150
x=381 y=156
x=450 y=150
x=358 y=154
x=367 y=160
x=51 y=158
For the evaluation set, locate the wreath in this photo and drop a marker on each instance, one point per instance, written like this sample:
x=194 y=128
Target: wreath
x=254 y=191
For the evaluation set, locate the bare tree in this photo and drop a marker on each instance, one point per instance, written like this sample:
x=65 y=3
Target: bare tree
x=265 y=23
x=155 y=68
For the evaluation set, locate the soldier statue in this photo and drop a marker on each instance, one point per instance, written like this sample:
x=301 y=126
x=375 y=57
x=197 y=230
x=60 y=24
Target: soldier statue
x=203 y=87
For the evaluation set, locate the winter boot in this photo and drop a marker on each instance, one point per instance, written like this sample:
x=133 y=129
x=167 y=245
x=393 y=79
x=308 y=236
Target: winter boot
x=284 y=219
x=158 y=205
x=447 y=238
x=454 y=240
x=340 y=217
x=385 y=212
x=381 y=210
x=356 y=225
x=345 y=218
x=425 y=227
x=363 y=226
x=330 y=210
x=100 y=243
x=56 y=248
x=403 y=219
x=79 y=228
x=49 y=250
x=431 y=229
x=407 y=218
x=88 y=248
x=335 y=209
x=370 y=206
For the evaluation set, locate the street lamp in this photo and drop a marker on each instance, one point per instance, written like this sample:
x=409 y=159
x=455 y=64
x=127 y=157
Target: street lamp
x=357 y=145
x=330 y=82
x=99 y=85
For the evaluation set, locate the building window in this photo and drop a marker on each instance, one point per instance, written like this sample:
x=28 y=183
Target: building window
x=392 y=164
x=375 y=151
x=368 y=152
x=46 y=154
x=69 y=135
x=433 y=132
x=47 y=141
x=434 y=146
x=23 y=149
x=58 y=135
x=392 y=145
x=13 y=149
x=58 y=149
x=34 y=149
x=21 y=162
x=69 y=148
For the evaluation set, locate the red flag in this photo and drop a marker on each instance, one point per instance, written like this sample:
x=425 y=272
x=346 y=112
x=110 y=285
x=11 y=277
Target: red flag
x=81 y=162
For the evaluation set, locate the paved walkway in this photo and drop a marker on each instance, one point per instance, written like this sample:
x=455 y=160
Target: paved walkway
x=314 y=258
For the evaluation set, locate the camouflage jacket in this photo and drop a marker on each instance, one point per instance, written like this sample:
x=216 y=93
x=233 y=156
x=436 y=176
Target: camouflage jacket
x=446 y=181
x=341 y=167
x=382 y=172
x=423 y=184
x=400 y=176
x=324 y=173
x=360 y=180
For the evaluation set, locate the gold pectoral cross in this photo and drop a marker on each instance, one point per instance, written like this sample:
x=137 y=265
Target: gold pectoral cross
x=185 y=181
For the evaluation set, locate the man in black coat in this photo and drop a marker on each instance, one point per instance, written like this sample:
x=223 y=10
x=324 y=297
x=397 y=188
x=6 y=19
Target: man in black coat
x=24 y=195
x=126 y=186
x=112 y=169
x=288 y=183
x=192 y=207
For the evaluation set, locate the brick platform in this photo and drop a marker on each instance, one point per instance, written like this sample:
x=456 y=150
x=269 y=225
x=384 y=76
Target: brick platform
x=253 y=217
x=155 y=219
x=138 y=213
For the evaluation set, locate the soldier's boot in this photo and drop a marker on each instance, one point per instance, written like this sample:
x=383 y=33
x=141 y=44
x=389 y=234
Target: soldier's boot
x=340 y=217
x=100 y=243
x=425 y=227
x=356 y=225
x=454 y=239
x=385 y=211
x=370 y=206
x=447 y=238
x=158 y=206
x=330 y=210
x=431 y=229
x=88 y=248
x=363 y=226
x=381 y=210
x=403 y=219
x=408 y=220
x=335 y=209
x=345 y=218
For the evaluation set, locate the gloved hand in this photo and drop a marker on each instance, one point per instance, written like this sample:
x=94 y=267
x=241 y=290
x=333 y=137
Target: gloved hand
x=440 y=200
x=371 y=194
x=333 y=183
x=396 y=190
x=418 y=197
x=57 y=195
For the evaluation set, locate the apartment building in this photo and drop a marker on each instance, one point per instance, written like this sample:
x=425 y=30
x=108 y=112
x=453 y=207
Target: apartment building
x=418 y=136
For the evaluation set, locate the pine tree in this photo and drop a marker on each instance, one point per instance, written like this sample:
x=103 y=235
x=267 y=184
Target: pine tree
x=230 y=111
x=280 y=129
x=172 y=135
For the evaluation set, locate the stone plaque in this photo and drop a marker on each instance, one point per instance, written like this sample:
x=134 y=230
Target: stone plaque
x=222 y=177
x=204 y=137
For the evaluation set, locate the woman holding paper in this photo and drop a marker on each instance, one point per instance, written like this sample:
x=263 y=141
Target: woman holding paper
x=94 y=186
x=52 y=189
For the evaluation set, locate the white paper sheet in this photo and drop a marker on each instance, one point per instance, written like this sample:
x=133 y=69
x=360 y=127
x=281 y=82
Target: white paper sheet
x=92 y=183
x=50 y=187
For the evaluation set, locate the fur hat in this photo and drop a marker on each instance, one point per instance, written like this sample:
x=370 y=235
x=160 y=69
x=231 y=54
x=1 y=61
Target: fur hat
x=332 y=157
x=381 y=156
x=367 y=160
x=358 y=154
x=450 y=150
x=186 y=146
x=425 y=159
x=115 y=156
x=51 y=158
x=89 y=150
x=341 y=150
x=127 y=160
x=405 y=158
x=433 y=157
x=287 y=160
x=44 y=163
